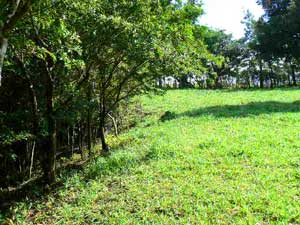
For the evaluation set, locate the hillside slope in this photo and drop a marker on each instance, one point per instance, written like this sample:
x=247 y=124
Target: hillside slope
x=200 y=157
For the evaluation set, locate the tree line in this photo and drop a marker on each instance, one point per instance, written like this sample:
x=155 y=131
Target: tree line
x=69 y=67
x=266 y=57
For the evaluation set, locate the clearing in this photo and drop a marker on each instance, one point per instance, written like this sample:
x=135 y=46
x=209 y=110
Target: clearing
x=199 y=157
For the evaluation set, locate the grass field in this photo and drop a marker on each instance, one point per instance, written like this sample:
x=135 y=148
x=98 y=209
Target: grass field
x=200 y=157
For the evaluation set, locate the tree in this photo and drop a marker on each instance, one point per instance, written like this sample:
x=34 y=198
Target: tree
x=11 y=12
x=76 y=62
x=228 y=56
x=278 y=31
x=153 y=35
x=45 y=45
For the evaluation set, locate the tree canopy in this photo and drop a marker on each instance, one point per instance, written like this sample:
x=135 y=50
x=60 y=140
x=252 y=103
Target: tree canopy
x=69 y=67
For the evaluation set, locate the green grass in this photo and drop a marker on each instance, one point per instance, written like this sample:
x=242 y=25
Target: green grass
x=200 y=157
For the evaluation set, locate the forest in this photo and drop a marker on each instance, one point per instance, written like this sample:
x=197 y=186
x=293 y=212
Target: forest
x=75 y=81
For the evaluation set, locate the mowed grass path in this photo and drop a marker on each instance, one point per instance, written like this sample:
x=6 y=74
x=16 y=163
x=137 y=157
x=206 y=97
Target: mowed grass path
x=217 y=157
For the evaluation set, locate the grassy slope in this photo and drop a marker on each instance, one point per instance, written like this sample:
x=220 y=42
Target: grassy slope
x=222 y=158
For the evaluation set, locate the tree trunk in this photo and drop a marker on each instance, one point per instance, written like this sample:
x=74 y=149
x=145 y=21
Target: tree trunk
x=73 y=139
x=89 y=134
x=271 y=74
x=68 y=136
x=160 y=83
x=249 y=82
x=102 y=117
x=89 y=138
x=217 y=84
x=95 y=133
x=184 y=82
x=3 y=49
x=105 y=149
x=50 y=150
x=115 y=124
x=272 y=84
x=35 y=124
x=80 y=140
x=293 y=75
x=261 y=79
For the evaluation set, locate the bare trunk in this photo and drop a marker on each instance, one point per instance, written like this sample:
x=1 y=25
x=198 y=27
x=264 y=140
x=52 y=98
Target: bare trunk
x=272 y=84
x=261 y=79
x=105 y=149
x=80 y=138
x=102 y=117
x=184 y=82
x=3 y=49
x=271 y=74
x=35 y=122
x=95 y=136
x=7 y=25
x=217 y=83
x=115 y=124
x=89 y=138
x=73 y=140
x=160 y=83
x=50 y=150
x=293 y=75
x=68 y=136
x=31 y=159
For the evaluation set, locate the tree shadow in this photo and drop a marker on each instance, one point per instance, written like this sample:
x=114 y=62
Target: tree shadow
x=238 y=111
x=35 y=192
x=255 y=89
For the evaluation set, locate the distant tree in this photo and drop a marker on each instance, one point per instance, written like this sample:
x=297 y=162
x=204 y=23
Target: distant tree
x=228 y=51
x=278 y=32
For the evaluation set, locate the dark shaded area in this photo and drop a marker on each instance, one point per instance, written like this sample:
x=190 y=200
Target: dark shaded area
x=36 y=191
x=167 y=116
x=236 y=89
x=238 y=111
x=233 y=90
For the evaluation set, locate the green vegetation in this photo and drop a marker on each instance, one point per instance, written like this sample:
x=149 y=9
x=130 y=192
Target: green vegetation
x=67 y=67
x=199 y=157
x=74 y=79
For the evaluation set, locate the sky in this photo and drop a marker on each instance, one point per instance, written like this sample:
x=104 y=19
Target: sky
x=228 y=14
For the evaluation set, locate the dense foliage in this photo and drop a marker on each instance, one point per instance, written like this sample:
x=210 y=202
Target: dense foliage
x=71 y=66
x=74 y=75
x=68 y=69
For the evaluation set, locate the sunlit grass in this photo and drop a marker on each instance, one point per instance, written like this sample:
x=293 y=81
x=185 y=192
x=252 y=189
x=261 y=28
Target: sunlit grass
x=217 y=157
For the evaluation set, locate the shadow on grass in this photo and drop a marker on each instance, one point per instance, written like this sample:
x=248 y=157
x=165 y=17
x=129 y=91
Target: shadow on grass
x=237 y=111
x=259 y=89
x=34 y=190
x=252 y=89
x=119 y=162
